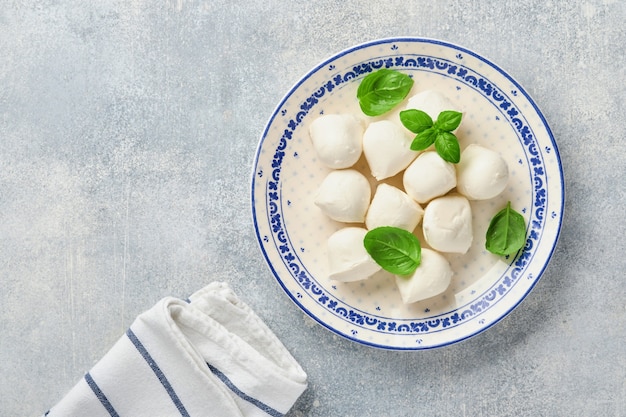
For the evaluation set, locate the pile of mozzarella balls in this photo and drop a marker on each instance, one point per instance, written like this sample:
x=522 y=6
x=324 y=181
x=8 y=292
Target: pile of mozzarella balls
x=436 y=194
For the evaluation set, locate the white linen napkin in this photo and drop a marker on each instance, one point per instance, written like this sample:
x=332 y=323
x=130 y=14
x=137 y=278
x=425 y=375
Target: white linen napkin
x=210 y=355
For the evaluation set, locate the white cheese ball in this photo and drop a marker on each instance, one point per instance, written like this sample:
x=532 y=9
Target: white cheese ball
x=432 y=277
x=387 y=148
x=348 y=259
x=481 y=174
x=447 y=224
x=344 y=195
x=429 y=176
x=393 y=207
x=337 y=139
x=431 y=102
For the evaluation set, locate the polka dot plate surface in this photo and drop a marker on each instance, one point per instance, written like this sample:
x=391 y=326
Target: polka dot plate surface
x=292 y=231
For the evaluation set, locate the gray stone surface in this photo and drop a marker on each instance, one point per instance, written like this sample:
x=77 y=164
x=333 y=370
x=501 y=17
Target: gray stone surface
x=128 y=132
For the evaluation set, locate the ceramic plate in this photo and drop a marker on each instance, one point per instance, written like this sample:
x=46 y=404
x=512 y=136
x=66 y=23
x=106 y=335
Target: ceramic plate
x=292 y=232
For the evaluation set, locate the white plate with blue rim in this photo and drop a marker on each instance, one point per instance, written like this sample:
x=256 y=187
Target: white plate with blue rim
x=292 y=232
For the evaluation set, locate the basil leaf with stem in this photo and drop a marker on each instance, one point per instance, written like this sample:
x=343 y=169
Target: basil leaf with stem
x=447 y=147
x=382 y=90
x=506 y=233
x=395 y=250
x=416 y=121
x=438 y=132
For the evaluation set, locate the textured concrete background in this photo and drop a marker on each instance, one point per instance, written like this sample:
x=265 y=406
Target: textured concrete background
x=128 y=132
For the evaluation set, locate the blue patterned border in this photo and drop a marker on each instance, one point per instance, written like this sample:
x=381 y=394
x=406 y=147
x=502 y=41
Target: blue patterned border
x=483 y=302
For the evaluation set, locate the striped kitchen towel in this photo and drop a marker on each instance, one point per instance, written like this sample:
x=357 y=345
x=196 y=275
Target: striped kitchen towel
x=210 y=355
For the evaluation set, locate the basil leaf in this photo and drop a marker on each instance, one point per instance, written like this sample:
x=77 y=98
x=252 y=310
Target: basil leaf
x=395 y=250
x=447 y=147
x=506 y=233
x=382 y=90
x=424 y=139
x=416 y=120
x=448 y=120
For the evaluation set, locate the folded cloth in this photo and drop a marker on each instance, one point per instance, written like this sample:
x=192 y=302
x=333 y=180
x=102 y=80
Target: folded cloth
x=210 y=355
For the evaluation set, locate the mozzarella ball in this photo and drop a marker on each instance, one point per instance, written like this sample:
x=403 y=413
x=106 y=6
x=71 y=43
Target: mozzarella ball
x=429 y=176
x=432 y=277
x=387 y=148
x=447 y=224
x=347 y=258
x=393 y=207
x=481 y=174
x=344 y=195
x=431 y=102
x=337 y=139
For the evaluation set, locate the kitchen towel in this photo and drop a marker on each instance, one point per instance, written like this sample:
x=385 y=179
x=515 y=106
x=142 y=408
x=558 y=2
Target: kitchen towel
x=210 y=355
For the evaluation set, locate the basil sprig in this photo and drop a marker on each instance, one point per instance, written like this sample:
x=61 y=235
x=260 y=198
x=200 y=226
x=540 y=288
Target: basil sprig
x=382 y=90
x=395 y=250
x=438 y=132
x=506 y=233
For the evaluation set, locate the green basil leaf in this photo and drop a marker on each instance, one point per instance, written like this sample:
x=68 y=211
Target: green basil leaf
x=395 y=250
x=416 y=120
x=506 y=233
x=382 y=90
x=424 y=139
x=448 y=120
x=447 y=146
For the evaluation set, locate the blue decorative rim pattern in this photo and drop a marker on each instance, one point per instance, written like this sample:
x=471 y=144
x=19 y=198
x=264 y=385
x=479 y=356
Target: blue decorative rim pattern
x=280 y=242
